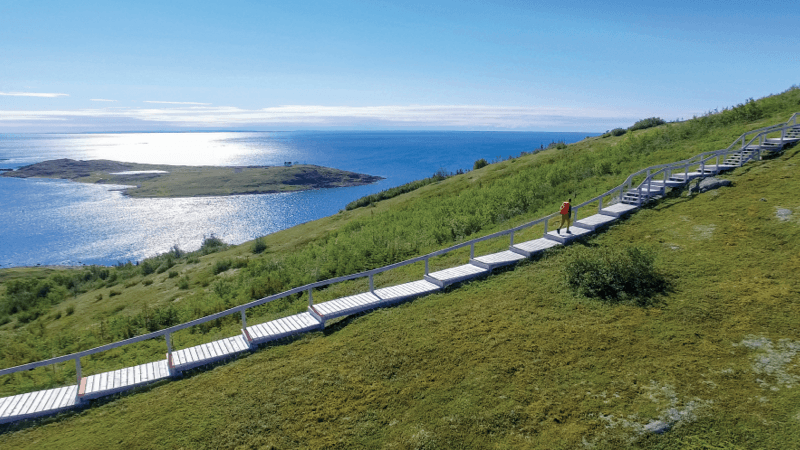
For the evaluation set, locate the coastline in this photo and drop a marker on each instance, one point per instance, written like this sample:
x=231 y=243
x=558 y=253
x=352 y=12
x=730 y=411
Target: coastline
x=166 y=181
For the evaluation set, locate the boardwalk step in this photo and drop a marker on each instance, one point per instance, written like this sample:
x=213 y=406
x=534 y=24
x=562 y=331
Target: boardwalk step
x=107 y=383
x=446 y=277
x=208 y=353
x=618 y=209
x=563 y=236
x=283 y=328
x=496 y=260
x=346 y=306
x=531 y=248
x=596 y=221
x=406 y=291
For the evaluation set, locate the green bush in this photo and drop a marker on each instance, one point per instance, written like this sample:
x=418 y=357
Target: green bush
x=183 y=283
x=70 y=310
x=259 y=245
x=615 y=274
x=173 y=273
x=614 y=132
x=479 y=163
x=221 y=266
x=647 y=123
x=212 y=244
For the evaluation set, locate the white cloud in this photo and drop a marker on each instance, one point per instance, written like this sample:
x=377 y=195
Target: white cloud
x=32 y=94
x=475 y=117
x=177 y=103
x=101 y=100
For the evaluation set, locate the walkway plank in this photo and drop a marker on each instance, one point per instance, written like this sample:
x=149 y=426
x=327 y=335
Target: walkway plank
x=446 y=277
x=495 y=260
x=596 y=221
x=618 y=209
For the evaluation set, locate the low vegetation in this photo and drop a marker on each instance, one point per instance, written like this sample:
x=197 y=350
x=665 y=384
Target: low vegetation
x=615 y=274
x=518 y=360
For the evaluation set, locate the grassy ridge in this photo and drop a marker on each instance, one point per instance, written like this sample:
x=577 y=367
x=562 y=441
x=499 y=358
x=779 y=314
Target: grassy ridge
x=518 y=360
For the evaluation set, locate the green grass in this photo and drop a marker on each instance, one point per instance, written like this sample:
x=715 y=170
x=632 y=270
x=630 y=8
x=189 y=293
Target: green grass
x=517 y=360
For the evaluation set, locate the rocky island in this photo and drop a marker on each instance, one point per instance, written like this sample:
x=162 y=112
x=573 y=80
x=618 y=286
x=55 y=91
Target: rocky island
x=159 y=180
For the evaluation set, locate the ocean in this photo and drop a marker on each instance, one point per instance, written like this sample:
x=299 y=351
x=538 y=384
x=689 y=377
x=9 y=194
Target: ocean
x=59 y=222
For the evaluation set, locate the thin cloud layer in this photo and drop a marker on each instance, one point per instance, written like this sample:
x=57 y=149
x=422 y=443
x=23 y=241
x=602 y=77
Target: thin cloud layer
x=472 y=117
x=176 y=103
x=32 y=94
x=101 y=100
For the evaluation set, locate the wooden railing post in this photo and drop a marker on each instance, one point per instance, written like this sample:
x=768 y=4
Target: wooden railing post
x=169 y=343
x=78 y=370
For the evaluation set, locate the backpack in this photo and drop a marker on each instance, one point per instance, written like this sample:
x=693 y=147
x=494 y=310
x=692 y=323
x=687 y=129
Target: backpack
x=566 y=208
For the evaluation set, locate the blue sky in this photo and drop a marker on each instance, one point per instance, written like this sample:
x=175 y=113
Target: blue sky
x=463 y=65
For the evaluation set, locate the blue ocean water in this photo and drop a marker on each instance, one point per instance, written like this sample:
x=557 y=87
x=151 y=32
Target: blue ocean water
x=57 y=222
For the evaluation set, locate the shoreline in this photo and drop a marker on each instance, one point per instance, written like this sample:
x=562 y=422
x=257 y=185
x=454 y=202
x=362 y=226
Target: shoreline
x=167 y=181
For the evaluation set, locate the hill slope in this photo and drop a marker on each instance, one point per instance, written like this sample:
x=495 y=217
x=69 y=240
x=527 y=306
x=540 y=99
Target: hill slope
x=516 y=360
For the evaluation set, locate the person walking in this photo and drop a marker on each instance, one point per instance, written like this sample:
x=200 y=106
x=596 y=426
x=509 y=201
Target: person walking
x=566 y=213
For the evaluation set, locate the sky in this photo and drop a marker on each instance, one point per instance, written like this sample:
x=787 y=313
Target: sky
x=503 y=65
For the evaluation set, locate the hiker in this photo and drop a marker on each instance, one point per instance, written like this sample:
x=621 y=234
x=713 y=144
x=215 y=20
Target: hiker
x=566 y=213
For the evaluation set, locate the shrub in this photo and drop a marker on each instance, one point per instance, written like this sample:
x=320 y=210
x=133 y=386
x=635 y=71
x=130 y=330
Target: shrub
x=70 y=310
x=221 y=266
x=173 y=273
x=147 y=282
x=647 y=123
x=114 y=293
x=615 y=274
x=183 y=283
x=479 y=163
x=259 y=245
x=148 y=266
x=212 y=244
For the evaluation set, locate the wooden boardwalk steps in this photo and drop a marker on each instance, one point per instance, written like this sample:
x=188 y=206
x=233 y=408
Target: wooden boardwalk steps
x=495 y=260
x=536 y=246
x=282 y=328
x=406 y=291
x=107 y=383
x=446 y=277
x=346 y=306
x=203 y=354
x=618 y=209
x=563 y=237
x=39 y=403
x=656 y=181
x=596 y=221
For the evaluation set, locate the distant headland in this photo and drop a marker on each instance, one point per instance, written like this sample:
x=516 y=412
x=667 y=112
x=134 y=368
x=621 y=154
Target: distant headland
x=159 y=180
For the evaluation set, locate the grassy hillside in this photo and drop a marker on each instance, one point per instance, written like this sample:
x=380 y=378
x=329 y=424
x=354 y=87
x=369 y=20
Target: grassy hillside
x=517 y=360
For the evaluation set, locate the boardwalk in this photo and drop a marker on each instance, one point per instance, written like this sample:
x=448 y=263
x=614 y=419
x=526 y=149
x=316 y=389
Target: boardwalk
x=625 y=199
